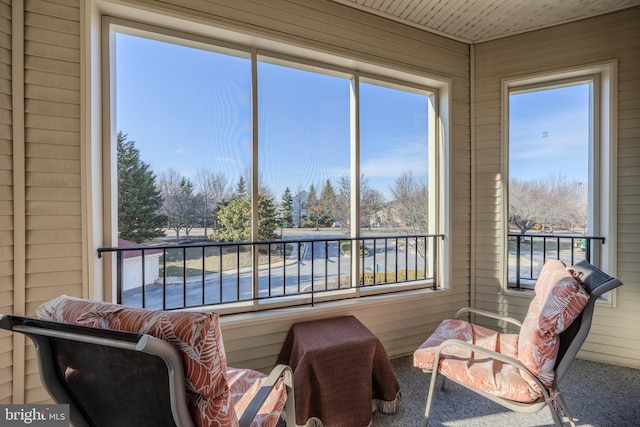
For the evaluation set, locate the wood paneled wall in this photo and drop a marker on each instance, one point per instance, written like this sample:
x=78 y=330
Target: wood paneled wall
x=6 y=198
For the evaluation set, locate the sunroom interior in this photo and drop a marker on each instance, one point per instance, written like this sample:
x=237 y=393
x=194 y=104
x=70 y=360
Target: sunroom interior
x=57 y=137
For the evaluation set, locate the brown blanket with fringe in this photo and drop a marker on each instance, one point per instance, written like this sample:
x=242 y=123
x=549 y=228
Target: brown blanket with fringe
x=341 y=373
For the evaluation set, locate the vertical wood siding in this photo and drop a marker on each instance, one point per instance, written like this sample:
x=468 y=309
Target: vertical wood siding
x=52 y=90
x=615 y=336
x=52 y=149
x=6 y=200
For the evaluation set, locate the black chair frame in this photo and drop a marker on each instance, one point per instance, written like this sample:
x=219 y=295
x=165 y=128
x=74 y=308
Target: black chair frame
x=108 y=378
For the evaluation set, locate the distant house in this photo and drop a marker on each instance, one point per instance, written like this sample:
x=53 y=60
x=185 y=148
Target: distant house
x=132 y=266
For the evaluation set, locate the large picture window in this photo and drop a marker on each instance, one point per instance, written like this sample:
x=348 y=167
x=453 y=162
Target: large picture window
x=225 y=144
x=559 y=205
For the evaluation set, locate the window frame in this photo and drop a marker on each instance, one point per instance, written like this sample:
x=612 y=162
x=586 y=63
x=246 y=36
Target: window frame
x=602 y=159
x=439 y=113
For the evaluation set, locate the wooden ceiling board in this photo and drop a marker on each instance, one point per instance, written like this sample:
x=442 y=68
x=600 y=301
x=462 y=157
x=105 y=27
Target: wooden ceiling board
x=475 y=21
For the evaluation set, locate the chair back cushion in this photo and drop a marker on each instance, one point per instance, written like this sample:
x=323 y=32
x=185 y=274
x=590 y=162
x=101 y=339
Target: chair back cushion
x=196 y=336
x=559 y=300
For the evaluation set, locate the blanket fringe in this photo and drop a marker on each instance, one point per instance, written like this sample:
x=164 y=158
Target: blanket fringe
x=386 y=406
x=313 y=422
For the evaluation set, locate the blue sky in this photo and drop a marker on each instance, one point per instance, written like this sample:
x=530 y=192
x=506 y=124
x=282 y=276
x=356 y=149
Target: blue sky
x=549 y=133
x=190 y=109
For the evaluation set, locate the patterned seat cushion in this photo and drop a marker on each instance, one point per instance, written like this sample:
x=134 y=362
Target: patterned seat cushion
x=475 y=369
x=558 y=300
x=244 y=384
x=198 y=339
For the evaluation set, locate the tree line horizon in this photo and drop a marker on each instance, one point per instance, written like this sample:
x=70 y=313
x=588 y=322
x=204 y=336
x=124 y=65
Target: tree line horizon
x=148 y=204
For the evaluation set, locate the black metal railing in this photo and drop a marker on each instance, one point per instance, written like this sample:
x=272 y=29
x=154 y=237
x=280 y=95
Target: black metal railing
x=173 y=276
x=528 y=252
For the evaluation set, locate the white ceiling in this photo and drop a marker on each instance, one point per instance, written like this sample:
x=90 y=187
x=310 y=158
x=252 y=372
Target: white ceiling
x=474 y=21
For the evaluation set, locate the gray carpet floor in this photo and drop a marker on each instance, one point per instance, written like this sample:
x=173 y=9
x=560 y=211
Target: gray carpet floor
x=598 y=395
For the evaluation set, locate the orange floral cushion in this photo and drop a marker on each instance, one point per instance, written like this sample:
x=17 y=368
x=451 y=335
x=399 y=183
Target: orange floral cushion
x=196 y=336
x=558 y=301
x=476 y=369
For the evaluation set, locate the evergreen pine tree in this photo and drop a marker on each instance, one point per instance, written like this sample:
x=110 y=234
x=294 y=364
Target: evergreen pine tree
x=138 y=199
x=312 y=208
x=286 y=208
x=241 y=189
x=268 y=221
x=234 y=220
x=326 y=205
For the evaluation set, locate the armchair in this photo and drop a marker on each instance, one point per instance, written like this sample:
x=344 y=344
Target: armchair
x=116 y=365
x=521 y=371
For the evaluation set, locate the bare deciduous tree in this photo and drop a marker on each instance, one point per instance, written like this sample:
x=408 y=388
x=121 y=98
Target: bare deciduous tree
x=213 y=188
x=343 y=201
x=180 y=204
x=411 y=202
x=579 y=215
x=525 y=207
x=552 y=203
x=371 y=202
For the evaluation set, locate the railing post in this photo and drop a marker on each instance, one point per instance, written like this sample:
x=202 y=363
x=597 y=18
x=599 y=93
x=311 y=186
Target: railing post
x=326 y=265
x=184 y=276
x=339 y=265
x=164 y=280
x=313 y=258
x=396 y=259
x=361 y=256
x=386 y=260
x=531 y=255
x=299 y=259
x=268 y=268
x=415 y=260
x=254 y=279
x=144 y=266
x=119 y=269
x=355 y=264
x=220 y=272
x=373 y=266
x=434 y=258
x=518 y=243
x=284 y=268
x=204 y=266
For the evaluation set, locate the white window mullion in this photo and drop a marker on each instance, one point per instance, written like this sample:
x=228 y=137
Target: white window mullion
x=255 y=196
x=355 y=181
